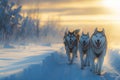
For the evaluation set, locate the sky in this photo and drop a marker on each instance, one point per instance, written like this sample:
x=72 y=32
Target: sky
x=69 y=9
x=76 y=13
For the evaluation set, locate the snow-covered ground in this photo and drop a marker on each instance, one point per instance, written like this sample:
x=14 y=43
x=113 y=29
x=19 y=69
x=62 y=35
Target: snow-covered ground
x=49 y=62
x=16 y=59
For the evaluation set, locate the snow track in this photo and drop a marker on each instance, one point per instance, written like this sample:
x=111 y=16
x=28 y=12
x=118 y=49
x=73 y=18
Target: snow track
x=55 y=67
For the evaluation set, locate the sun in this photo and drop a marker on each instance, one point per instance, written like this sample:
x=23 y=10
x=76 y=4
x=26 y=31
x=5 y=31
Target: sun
x=113 y=5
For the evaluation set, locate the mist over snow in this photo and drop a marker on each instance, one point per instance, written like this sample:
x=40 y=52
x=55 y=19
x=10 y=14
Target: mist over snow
x=16 y=28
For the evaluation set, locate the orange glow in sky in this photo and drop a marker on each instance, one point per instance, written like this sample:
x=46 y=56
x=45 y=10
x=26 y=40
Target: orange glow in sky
x=79 y=13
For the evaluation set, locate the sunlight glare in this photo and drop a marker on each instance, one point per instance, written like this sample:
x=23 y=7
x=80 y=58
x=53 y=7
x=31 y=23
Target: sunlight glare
x=113 y=5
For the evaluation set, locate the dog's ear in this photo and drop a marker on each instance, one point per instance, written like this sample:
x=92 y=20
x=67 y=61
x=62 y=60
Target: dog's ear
x=76 y=31
x=103 y=30
x=88 y=33
x=82 y=33
x=96 y=29
x=66 y=31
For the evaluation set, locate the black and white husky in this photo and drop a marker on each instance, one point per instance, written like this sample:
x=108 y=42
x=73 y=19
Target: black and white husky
x=71 y=44
x=84 y=49
x=98 y=44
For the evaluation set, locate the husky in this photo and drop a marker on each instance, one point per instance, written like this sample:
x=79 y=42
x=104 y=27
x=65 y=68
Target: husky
x=84 y=50
x=98 y=44
x=71 y=44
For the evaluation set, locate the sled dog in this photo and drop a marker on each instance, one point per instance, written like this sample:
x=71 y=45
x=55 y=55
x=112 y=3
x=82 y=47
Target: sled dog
x=71 y=44
x=98 y=44
x=84 y=49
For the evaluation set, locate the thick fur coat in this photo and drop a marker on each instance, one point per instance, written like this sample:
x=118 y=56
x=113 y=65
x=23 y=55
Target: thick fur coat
x=84 y=46
x=98 y=47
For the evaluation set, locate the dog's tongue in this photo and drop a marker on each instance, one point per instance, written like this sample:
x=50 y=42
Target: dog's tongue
x=98 y=44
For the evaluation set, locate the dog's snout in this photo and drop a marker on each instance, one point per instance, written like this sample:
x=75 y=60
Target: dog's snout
x=84 y=42
x=98 y=43
x=98 y=40
x=71 y=41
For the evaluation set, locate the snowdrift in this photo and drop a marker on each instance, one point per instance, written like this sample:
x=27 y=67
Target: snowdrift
x=55 y=67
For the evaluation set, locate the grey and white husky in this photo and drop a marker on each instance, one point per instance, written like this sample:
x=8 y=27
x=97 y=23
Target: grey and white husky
x=98 y=44
x=84 y=49
x=71 y=44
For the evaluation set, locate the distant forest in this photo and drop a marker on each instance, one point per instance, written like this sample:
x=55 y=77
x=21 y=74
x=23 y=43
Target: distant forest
x=15 y=28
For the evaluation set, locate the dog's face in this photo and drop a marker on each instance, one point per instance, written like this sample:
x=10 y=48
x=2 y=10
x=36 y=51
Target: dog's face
x=70 y=38
x=84 y=39
x=98 y=38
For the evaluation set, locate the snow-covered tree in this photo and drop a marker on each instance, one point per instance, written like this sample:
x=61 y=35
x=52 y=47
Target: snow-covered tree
x=30 y=28
x=9 y=18
x=37 y=28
